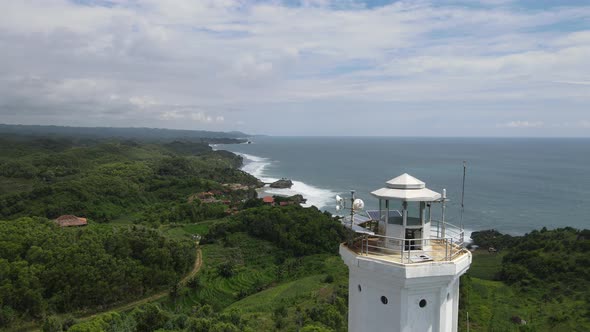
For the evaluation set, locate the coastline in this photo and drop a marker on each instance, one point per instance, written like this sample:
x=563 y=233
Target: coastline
x=258 y=167
x=321 y=198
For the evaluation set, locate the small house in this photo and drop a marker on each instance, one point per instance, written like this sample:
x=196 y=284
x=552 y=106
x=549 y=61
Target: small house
x=269 y=200
x=69 y=220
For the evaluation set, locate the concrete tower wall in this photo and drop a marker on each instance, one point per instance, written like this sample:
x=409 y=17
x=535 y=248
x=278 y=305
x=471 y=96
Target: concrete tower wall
x=421 y=297
x=366 y=308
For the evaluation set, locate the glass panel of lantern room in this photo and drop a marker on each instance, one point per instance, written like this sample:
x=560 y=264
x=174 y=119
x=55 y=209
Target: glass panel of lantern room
x=414 y=214
x=394 y=213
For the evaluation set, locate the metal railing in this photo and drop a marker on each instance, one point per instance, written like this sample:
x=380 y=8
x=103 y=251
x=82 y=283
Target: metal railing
x=438 y=229
x=408 y=251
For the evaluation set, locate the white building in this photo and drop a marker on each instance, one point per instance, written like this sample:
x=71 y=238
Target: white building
x=404 y=266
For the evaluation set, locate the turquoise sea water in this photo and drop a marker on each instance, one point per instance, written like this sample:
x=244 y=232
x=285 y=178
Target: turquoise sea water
x=514 y=185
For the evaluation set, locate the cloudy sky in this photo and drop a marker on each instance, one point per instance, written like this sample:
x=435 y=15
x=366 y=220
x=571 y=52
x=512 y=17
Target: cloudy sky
x=300 y=67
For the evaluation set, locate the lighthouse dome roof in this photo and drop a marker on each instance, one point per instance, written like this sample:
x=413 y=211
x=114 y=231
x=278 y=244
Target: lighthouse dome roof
x=407 y=188
x=405 y=181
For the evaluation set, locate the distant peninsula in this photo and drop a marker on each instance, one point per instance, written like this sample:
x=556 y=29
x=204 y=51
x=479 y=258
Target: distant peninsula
x=144 y=134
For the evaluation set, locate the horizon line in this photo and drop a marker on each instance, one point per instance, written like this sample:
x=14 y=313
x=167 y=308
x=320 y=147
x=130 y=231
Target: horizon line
x=303 y=135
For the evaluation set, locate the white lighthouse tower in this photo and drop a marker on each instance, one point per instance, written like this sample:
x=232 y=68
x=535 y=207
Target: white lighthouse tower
x=404 y=266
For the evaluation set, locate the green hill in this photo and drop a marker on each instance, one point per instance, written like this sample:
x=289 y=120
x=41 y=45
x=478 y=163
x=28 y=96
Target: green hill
x=541 y=278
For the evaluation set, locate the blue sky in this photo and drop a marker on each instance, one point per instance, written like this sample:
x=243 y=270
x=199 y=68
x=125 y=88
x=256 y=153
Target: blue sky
x=309 y=67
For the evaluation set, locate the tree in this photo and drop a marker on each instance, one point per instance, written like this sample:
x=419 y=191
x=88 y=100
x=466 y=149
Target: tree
x=52 y=324
x=226 y=269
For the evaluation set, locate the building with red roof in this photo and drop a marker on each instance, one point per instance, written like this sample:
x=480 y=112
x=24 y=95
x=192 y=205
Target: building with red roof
x=268 y=200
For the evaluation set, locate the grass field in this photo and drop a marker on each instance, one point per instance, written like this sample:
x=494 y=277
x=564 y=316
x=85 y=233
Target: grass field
x=485 y=265
x=299 y=293
x=188 y=230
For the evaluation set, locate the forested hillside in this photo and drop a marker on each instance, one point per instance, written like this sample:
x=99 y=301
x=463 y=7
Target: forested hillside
x=296 y=230
x=106 y=180
x=126 y=190
x=536 y=282
x=45 y=268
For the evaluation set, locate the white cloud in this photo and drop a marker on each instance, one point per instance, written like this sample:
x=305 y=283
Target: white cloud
x=206 y=118
x=143 y=101
x=523 y=124
x=574 y=82
x=583 y=124
x=212 y=60
x=170 y=115
x=200 y=117
x=248 y=66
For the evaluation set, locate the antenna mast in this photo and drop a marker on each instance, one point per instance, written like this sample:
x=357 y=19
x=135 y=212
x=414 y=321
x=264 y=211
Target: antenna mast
x=355 y=204
x=351 y=209
x=463 y=193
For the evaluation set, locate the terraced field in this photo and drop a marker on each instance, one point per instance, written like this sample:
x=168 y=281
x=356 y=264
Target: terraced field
x=253 y=265
x=295 y=296
x=283 y=294
x=255 y=285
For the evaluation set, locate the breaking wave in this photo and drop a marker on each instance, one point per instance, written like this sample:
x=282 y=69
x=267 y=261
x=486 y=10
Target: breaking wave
x=256 y=166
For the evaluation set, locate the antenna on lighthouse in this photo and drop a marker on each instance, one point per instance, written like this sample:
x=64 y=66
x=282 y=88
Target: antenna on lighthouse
x=463 y=193
x=351 y=209
x=356 y=206
x=339 y=203
x=443 y=200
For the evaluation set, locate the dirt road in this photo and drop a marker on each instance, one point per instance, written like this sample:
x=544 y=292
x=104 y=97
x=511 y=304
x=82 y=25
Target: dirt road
x=154 y=297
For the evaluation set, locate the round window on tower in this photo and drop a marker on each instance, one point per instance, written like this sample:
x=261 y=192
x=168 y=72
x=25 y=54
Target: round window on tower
x=384 y=300
x=360 y=289
x=422 y=303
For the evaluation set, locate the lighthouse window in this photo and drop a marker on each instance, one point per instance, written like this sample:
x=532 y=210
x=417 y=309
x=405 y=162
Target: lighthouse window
x=360 y=289
x=414 y=214
x=422 y=303
x=384 y=300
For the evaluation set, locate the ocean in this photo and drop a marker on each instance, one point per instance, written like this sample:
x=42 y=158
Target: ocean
x=514 y=185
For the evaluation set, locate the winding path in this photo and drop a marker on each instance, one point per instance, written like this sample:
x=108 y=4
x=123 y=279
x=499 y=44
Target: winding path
x=154 y=297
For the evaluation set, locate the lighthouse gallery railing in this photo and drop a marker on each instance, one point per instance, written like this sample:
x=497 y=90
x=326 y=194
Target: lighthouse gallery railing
x=407 y=251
